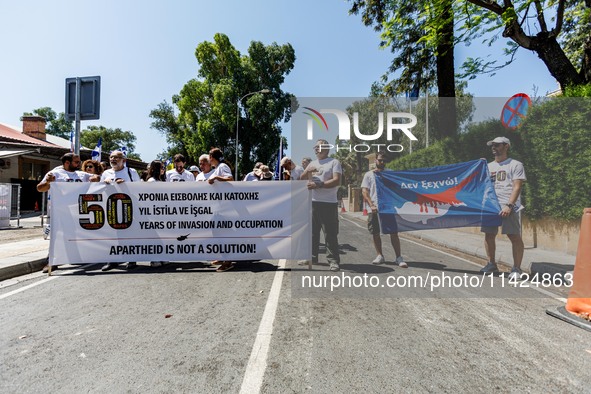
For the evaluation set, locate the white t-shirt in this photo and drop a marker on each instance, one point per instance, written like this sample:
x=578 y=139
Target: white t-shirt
x=222 y=170
x=251 y=177
x=112 y=175
x=296 y=173
x=202 y=176
x=369 y=182
x=325 y=170
x=502 y=175
x=62 y=175
x=174 y=176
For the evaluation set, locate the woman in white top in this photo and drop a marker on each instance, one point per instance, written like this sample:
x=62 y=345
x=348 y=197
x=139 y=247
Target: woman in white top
x=155 y=171
x=222 y=173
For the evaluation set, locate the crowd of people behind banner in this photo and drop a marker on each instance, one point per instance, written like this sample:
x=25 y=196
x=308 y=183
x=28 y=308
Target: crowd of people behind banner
x=324 y=178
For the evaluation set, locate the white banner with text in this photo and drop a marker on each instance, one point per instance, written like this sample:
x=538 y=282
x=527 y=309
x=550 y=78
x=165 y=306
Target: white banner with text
x=181 y=221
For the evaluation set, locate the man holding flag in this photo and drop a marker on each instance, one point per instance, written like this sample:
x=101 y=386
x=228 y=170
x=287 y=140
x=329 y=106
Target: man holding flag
x=370 y=197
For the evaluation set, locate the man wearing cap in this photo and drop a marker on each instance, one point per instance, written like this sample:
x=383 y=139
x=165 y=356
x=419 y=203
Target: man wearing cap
x=178 y=173
x=507 y=176
x=194 y=170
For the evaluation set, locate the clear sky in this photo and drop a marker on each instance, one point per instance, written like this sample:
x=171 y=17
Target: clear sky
x=144 y=52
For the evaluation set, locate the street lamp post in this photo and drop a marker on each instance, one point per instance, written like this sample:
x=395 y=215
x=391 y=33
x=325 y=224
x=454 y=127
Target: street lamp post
x=264 y=91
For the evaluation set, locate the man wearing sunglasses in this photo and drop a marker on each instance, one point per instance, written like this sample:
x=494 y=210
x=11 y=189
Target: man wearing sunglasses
x=119 y=173
x=507 y=176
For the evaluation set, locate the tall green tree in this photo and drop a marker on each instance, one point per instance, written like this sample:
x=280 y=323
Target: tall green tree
x=417 y=62
x=205 y=112
x=558 y=31
x=112 y=139
x=56 y=124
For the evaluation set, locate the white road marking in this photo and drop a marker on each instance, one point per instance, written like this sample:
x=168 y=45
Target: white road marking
x=257 y=364
x=11 y=293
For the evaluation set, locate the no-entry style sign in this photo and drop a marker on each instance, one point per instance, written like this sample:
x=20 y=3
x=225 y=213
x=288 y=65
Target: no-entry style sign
x=515 y=111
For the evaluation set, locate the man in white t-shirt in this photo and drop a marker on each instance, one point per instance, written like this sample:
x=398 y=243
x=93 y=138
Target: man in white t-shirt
x=178 y=173
x=370 y=196
x=206 y=169
x=324 y=178
x=119 y=173
x=67 y=172
x=507 y=176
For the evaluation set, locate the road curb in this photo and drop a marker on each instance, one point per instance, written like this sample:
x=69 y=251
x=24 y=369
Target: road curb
x=24 y=268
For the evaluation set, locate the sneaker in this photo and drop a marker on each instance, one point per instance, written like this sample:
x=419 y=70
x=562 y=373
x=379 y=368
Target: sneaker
x=129 y=266
x=489 y=268
x=46 y=268
x=400 y=262
x=334 y=267
x=515 y=274
x=109 y=266
x=379 y=260
x=226 y=265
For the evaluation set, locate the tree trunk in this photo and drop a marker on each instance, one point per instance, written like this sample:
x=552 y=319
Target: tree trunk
x=446 y=83
x=551 y=53
x=585 y=73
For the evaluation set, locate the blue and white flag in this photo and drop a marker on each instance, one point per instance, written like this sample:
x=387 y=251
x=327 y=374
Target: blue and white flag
x=168 y=164
x=72 y=141
x=96 y=152
x=455 y=195
x=123 y=150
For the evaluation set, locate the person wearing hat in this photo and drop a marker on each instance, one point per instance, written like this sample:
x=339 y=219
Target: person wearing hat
x=178 y=173
x=194 y=170
x=507 y=176
x=264 y=173
x=253 y=175
x=294 y=171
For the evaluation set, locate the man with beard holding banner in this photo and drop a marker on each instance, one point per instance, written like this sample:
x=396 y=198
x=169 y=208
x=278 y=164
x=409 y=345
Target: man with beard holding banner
x=69 y=171
x=368 y=188
x=119 y=173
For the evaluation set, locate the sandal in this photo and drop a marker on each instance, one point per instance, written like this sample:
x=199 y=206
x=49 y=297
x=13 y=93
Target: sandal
x=226 y=265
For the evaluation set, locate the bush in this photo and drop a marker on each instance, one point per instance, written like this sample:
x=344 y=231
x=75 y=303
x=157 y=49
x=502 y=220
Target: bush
x=554 y=145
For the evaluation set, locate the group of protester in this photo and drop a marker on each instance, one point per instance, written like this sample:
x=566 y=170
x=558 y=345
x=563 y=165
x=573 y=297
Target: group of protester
x=323 y=177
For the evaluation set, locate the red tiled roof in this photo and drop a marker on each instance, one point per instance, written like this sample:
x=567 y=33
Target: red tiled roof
x=9 y=133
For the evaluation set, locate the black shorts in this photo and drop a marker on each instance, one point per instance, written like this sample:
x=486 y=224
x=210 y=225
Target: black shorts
x=373 y=224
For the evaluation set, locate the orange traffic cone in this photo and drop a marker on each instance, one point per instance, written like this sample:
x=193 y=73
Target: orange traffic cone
x=364 y=210
x=578 y=305
x=579 y=298
x=343 y=208
x=36 y=206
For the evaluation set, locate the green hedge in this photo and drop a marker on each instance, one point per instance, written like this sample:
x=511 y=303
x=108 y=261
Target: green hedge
x=554 y=144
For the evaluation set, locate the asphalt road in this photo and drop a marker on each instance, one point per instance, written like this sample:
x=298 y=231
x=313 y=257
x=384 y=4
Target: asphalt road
x=186 y=328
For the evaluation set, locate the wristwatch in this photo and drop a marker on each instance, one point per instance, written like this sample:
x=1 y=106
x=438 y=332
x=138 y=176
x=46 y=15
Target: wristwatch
x=510 y=205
